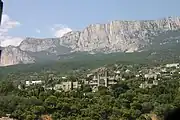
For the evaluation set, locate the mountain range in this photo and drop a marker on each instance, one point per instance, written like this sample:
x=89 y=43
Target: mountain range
x=118 y=36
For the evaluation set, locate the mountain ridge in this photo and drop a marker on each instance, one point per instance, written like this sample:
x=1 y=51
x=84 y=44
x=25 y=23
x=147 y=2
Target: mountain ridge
x=115 y=36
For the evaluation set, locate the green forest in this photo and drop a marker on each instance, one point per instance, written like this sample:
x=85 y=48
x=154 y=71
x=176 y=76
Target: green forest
x=87 y=61
x=124 y=101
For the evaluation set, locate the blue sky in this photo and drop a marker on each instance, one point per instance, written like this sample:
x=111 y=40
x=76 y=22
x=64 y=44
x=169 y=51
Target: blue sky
x=37 y=18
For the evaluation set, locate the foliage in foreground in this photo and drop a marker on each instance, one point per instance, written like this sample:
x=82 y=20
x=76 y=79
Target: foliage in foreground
x=124 y=101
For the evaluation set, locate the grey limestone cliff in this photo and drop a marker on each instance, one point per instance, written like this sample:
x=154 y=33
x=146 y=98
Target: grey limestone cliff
x=119 y=36
x=116 y=36
x=37 y=45
x=12 y=55
x=50 y=45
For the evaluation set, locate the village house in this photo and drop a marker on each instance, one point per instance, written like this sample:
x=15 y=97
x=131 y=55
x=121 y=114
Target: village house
x=88 y=75
x=151 y=76
x=145 y=85
x=172 y=72
x=28 y=83
x=176 y=65
x=127 y=71
x=163 y=70
x=148 y=85
x=67 y=86
x=98 y=79
x=63 y=77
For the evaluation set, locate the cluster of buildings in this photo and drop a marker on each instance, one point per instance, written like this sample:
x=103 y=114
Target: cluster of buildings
x=153 y=77
x=108 y=78
x=94 y=80
x=67 y=86
x=102 y=79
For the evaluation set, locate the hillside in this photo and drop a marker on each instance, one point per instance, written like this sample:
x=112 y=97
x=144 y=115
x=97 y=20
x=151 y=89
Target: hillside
x=113 y=37
x=82 y=60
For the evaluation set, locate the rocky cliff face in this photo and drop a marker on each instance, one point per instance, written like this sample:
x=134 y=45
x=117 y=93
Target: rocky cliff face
x=116 y=36
x=37 y=45
x=13 y=55
x=50 y=45
x=119 y=36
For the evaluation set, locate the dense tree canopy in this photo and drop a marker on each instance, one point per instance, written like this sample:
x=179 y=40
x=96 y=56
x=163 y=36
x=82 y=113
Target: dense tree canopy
x=122 y=101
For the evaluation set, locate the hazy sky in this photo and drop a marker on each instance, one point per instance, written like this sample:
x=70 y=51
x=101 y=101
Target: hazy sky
x=52 y=18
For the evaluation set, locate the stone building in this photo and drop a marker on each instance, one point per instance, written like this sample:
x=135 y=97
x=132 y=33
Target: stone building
x=67 y=86
x=148 y=85
x=102 y=79
x=172 y=65
x=151 y=76
x=28 y=83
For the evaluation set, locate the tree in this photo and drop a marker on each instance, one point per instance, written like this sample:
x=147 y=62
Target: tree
x=103 y=90
x=147 y=107
x=38 y=110
x=51 y=102
x=6 y=87
x=136 y=106
x=86 y=88
x=135 y=113
x=30 y=117
x=119 y=88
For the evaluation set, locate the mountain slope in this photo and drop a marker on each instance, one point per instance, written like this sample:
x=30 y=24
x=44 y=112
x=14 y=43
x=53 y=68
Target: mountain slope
x=12 y=55
x=119 y=36
x=116 y=36
x=51 y=45
x=82 y=60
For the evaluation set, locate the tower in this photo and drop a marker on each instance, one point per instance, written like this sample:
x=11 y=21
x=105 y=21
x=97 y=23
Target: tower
x=106 y=78
x=98 y=79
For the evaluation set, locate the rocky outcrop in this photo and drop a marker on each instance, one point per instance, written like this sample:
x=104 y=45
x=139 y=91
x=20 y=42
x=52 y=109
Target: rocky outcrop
x=119 y=36
x=12 y=55
x=37 y=45
x=50 y=45
x=71 y=39
x=116 y=36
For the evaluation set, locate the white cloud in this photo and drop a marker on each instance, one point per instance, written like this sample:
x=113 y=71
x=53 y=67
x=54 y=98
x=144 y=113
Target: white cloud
x=59 y=30
x=38 y=31
x=15 y=41
x=6 y=25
